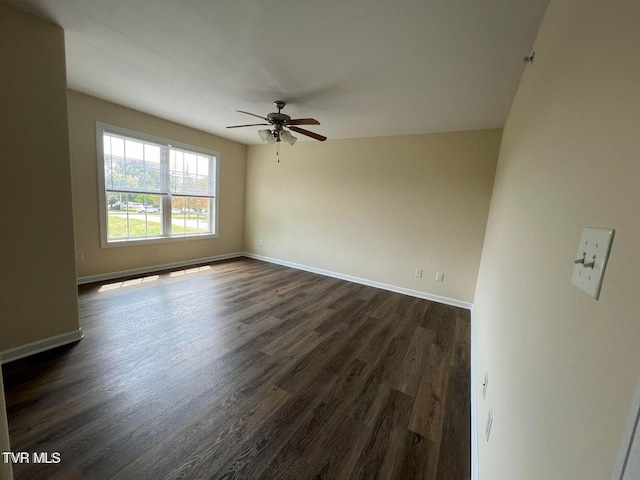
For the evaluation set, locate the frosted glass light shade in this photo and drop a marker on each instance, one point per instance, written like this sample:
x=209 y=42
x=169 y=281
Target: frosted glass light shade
x=264 y=135
x=287 y=137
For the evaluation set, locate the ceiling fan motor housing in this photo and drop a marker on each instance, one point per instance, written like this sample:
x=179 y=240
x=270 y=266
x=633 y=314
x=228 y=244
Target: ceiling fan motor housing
x=278 y=119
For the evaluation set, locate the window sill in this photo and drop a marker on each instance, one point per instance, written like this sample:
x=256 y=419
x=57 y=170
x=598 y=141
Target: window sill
x=155 y=240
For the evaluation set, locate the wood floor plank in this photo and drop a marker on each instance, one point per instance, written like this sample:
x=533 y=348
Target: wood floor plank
x=455 y=447
x=376 y=454
x=355 y=341
x=377 y=344
x=163 y=422
x=335 y=457
x=294 y=342
x=366 y=405
x=355 y=310
x=429 y=407
x=410 y=376
x=419 y=459
x=462 y=342
x=435 y=314
x=208 y=452
x=249 y=370
x=325 y=417
x=255 y=455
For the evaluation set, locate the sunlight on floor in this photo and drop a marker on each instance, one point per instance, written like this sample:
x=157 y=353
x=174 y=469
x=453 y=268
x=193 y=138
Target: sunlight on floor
x=151 y=278
x=128 y=283
x=190 y=270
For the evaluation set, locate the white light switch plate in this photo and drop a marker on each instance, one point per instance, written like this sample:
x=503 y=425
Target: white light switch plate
x=594 y=247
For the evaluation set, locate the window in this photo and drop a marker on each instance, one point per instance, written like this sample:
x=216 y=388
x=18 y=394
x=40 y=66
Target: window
x=153 y=189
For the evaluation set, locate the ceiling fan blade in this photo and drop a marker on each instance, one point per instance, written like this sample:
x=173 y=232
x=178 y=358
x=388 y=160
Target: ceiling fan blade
x=253 y=115
x=303 y=121
x=307 y=133
x=248 y=125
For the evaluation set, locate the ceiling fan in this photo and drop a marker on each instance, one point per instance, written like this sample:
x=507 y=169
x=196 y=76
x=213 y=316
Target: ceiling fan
x=279 y=122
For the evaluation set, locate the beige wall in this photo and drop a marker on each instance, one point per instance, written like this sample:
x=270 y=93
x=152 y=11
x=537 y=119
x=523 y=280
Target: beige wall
x=562 y=366
x=377 y=208
x=38 y=294
x=5 y=468
x=84 y=111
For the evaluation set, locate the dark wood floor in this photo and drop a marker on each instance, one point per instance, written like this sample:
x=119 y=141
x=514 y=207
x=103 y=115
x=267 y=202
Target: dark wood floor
x=248 y=370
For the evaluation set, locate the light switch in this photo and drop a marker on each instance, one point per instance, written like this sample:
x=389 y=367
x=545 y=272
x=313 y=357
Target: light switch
x=591 y=259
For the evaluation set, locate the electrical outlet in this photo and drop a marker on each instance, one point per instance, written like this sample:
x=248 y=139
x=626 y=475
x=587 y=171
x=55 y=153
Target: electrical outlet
x=485 y=384
x=489 y=423
x=261 y=242
x=439 y=277
x=79 y=256
x=418 y=273
x=273 y=245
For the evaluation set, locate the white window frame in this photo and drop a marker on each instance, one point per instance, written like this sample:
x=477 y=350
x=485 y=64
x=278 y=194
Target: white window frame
x=105 y=242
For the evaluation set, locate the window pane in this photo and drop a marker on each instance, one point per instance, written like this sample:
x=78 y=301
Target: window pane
x=134 y=150
x=203 y=165
x=131 y=164
x=191 y=174
x=134 y=215
x=190 y=215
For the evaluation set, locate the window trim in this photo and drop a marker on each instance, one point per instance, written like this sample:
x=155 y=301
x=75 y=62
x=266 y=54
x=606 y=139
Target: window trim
x=102 y=197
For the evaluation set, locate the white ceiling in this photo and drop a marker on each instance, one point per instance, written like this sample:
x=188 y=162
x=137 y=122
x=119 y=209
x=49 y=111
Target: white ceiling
x=362 y=67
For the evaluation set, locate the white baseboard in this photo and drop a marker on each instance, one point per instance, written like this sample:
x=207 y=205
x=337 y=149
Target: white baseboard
x=364 y=281
x=475 y=463
x=167 y=266
x=155 y=268
x=40 y=346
